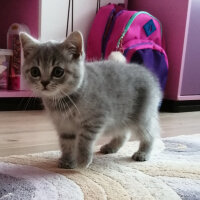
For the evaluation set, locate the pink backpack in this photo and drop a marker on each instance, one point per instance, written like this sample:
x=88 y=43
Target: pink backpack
x=138 y=35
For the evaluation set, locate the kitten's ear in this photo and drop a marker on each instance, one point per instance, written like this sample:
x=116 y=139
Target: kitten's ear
x=74 y=44
x=28 y=43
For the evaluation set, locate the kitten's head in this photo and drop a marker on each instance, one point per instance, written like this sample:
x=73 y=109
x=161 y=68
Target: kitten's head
x=52 y=69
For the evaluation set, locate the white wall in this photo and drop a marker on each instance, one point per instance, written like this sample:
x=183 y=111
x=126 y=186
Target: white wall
x=54 y=17
x=84 y=13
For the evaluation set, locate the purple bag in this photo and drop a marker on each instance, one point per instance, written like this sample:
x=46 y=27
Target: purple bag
x=138 y=35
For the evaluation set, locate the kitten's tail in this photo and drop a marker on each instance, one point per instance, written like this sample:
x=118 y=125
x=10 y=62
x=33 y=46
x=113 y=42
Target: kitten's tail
x=117 y=56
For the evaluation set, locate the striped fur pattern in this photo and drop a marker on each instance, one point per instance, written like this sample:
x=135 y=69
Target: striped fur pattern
x=86 y=100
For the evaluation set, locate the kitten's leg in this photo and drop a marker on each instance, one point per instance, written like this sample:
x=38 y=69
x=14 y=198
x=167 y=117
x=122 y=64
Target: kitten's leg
x=147 y=133
x=86 y=141
x=115 y=144
x=68 y=158
x=85 y=147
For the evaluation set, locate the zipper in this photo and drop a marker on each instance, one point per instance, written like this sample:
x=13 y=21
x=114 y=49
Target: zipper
x=108 y=30
x=134 y=46
x=158 y=48
x=129 y=24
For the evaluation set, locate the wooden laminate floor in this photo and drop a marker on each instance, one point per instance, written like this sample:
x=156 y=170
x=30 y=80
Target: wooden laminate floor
x=31 y=131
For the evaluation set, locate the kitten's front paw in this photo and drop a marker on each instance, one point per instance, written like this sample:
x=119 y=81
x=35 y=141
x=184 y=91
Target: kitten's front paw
x=140 y=156
x=106 y=149
x=66 y=164
x=84 y=162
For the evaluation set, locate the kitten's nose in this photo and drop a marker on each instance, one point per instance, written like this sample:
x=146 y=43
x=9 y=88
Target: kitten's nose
x=44 y=83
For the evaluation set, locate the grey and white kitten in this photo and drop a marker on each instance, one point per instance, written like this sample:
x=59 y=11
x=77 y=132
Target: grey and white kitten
x=86 y=100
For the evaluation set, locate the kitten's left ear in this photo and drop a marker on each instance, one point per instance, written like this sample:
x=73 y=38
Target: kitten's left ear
x=74 y=44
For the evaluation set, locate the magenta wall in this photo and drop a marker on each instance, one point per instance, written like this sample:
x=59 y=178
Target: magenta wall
x=19 y=11
x=172 y=14
x=191 y=71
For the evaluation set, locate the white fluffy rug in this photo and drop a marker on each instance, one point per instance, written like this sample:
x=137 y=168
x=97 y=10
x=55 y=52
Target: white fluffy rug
x=172 y=174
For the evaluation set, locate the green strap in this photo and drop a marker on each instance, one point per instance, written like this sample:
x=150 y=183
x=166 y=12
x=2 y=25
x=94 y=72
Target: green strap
x=131 y=21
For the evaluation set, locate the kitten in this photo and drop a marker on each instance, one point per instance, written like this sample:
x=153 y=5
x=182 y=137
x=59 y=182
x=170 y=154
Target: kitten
x=86 y=100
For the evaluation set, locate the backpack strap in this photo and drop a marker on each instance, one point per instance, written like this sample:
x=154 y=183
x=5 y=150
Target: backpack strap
x=72 y=17
x=120 y=41
x=98 y=5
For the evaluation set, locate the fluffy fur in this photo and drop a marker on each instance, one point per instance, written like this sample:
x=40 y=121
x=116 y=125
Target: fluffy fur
x=90 y=99
x=117 y=56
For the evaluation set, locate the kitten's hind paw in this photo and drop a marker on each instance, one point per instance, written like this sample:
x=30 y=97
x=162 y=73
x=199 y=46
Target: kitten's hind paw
x=62 y=163
x=140 y=156
x=106 y=149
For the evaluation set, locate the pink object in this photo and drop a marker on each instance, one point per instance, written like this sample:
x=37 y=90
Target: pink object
x=16 y=81
x=95 y=36
x=180 y=19
x=138 y=35
x=133 y=21
x=15 y=93
x=5 y=56
x=107 y=23
x=23 y=11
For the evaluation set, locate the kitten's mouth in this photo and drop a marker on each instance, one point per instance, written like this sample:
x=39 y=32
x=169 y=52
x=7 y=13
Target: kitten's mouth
x=45 y=89
x=47 y=92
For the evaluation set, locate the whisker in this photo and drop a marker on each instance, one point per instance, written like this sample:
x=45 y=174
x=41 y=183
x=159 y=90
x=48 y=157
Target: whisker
x=72 y=102
x=60 y=104
x=57 y=104
x=20 y=103
x=28 y=102
x=34 y=101
x=64 y=106
x=65 y=103
x=60 y=108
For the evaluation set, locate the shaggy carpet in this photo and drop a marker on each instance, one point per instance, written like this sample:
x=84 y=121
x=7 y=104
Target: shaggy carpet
x=171 y=174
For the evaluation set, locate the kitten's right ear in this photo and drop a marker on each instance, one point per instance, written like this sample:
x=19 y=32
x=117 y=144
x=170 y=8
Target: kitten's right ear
x=28 y=43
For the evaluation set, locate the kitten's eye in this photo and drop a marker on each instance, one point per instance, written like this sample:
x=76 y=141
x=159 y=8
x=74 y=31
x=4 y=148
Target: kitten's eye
x=35 y=72
x=57 y=72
